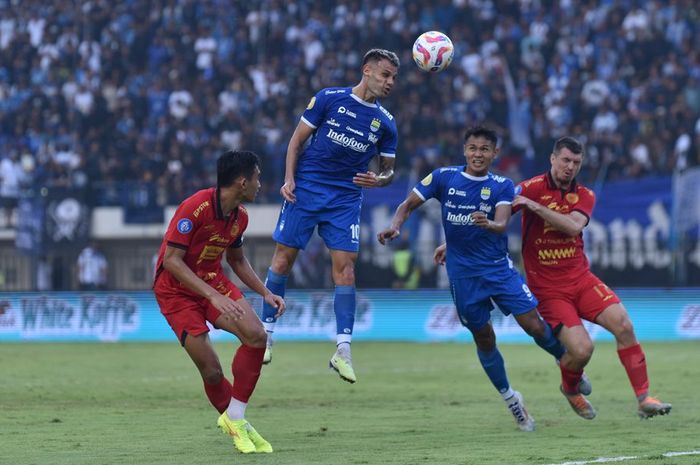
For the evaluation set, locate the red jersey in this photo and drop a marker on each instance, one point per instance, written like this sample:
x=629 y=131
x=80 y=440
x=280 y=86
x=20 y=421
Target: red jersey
x=552 y=258
x=200 y=228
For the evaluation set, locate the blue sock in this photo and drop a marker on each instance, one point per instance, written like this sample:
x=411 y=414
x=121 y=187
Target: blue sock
x=495 y=368
x=277 y=284
x=344 y=306
x=550 y=343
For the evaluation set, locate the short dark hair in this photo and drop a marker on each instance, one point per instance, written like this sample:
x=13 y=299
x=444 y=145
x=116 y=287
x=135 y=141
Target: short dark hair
x=570 y=143
x=481 y=131
x=377 y=54
x=235 y=163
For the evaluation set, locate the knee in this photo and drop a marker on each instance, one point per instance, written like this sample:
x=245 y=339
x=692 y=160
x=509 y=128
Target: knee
x=282 y=263
x=255 y=338
x=344 y=274
x=624 y=331
x=581 y=352
x=212 y=374
x=485 y=341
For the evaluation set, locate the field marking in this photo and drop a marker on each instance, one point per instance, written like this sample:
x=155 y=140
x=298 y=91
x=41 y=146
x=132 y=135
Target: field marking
x=623 y=458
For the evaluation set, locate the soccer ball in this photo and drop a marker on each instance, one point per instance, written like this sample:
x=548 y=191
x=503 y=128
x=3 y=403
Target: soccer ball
x=433 y=51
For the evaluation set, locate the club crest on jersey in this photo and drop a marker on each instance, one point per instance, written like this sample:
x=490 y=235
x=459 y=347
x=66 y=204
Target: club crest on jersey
x=571 y=197
x=375 y=125
x=427 y=180
x=311 y=104
x=184 y=226
x=485 y=193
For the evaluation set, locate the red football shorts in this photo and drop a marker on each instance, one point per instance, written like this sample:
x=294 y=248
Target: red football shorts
x=188 y=314
x=567 y=305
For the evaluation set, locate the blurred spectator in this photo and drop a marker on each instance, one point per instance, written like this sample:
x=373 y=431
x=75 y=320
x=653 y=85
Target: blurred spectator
x=113 y=89
x=92 y=269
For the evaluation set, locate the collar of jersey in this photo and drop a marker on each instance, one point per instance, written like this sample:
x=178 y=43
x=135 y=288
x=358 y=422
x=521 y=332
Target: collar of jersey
x=359 y=100
x=474 y=178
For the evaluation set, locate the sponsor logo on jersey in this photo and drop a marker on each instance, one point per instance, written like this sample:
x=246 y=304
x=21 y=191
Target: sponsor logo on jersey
x=333 y=122
x=460 y=219
x=311 y=104
x=336 y=91
x=200 y=208
x=484 y=207
x=545 y=255
x=345 y=111
x=375 y=125
x=497 y=178
x=234 y=229
x=355 y=131
x=518 y=189
x=453 y=191
x=449 y=204
x=210 y=252
x=427 y=180
x=388 y=115
x=184 y=226
x=485 y=193
x=345 y=141
x=571 y=197
x=218 y=238
x=372 y=138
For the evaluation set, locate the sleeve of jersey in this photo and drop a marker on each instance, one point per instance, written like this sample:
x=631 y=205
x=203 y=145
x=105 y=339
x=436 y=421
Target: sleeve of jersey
x=507 y=194
x=518 y=190
x=388 y=143
x=586 y=202
x=428 y=187
x=184 y=223
x=315 y=110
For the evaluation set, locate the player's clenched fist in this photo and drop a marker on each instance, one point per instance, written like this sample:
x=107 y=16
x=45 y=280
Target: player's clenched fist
x=387 y=235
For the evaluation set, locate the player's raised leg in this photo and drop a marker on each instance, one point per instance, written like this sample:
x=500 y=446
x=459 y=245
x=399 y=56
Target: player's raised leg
x=616 y=320
x=492 y=362
x=246 y=366
x=276 y=281
x=344 y=307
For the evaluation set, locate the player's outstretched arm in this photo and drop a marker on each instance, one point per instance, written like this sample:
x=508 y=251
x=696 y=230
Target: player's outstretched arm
x=571 y=224
x=296 y=143
x=241 y=266
x=174 y=263
x=400 y=216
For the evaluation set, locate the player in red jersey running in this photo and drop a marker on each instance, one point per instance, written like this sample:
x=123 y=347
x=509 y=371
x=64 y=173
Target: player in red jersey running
x=192 y=289
x=555 y=210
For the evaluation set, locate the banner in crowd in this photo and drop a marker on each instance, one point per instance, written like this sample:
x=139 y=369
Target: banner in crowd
x=386 y=315
x=66 y=219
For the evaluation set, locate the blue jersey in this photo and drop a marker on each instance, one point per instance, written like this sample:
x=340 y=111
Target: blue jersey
x=349 y=132
x=471 y=250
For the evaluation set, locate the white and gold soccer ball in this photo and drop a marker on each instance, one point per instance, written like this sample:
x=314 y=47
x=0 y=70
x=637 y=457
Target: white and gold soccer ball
x=433 y=51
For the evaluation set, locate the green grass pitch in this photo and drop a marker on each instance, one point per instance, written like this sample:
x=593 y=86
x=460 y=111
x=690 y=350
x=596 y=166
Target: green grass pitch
x=413 y=404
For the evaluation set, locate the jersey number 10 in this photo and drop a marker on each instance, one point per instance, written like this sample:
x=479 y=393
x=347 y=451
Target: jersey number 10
x=355 y=232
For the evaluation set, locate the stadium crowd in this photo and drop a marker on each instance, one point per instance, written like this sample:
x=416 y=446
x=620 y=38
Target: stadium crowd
x=133 y=101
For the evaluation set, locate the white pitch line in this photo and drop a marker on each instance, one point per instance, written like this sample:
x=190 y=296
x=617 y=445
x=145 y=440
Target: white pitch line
x=623 y=458
x=676 y=454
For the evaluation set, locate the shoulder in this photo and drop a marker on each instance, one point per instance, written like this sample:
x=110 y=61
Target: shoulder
x=496 y=179
x=242 y=213
x=585 y=192
x=386 y=113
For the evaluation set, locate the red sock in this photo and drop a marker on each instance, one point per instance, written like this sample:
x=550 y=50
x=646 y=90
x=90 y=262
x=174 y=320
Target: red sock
x=219 y=394
x=570 y=379
x=635 y=364
x=246 y=367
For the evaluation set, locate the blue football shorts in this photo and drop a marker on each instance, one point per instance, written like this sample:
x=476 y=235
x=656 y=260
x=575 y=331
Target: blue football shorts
x=336 y=212
x=474 y=297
